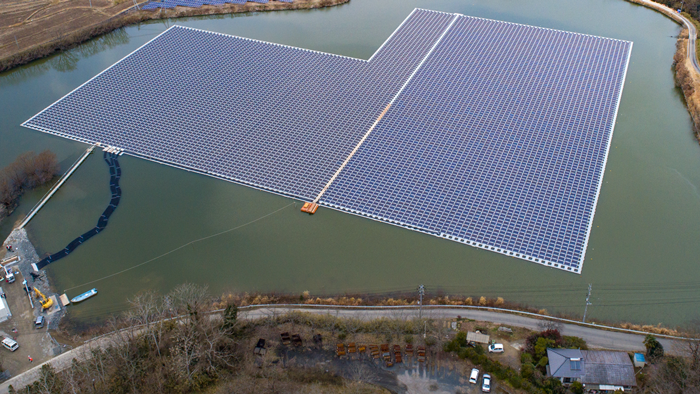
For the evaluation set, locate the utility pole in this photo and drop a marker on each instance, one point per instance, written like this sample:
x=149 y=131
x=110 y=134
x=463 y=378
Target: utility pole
x=421 y=292
x=588 y=297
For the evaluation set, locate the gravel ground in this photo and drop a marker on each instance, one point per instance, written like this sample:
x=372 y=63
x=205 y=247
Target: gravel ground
x=33 y=342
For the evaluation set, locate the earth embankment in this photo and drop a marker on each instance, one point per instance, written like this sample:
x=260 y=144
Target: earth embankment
x=33 y=29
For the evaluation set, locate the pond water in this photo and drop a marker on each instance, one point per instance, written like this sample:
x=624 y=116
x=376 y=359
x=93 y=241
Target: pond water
x=642 y=258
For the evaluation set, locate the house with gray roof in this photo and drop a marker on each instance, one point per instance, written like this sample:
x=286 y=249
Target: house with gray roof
x=602 y=371
x=566 y=364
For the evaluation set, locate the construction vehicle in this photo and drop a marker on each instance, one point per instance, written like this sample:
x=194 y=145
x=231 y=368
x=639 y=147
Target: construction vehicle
x=46 y=303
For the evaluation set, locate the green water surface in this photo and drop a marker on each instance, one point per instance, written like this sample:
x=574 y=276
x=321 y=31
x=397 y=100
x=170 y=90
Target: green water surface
x=642 y=258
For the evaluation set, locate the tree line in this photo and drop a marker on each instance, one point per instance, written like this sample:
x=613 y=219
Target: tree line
x=28 y=171
x=692 y=7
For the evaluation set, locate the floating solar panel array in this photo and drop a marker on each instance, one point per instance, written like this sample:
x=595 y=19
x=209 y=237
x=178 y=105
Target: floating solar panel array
x=488 y=133
x=153 y=5
x=498 y=142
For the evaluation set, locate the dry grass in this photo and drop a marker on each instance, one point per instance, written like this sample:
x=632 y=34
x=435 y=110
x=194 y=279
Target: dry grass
x=687 y=80
x=34 y=29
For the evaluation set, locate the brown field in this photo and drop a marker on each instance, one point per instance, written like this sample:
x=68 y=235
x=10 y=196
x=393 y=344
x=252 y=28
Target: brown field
x=32 y=29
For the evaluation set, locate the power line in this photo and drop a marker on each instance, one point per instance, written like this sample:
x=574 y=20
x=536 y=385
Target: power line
x=178 y=248
x=588 y=297
x=421 y=292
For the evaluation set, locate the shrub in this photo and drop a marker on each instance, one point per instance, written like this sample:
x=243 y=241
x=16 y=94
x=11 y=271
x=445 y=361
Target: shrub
x=655 y=351
x=26 y=172
x=408 y=339
x=527 y=371
x=430 y=341
x=342 y=335
x=574 y=343
x=576 y=388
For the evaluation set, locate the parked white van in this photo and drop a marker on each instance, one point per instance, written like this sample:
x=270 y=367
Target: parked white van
x=474 y=376
x=10 y=344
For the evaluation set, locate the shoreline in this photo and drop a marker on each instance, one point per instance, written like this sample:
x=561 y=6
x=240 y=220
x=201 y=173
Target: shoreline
x=397 y=301
x=131 y=16
x=24 y=248
x=685 y=76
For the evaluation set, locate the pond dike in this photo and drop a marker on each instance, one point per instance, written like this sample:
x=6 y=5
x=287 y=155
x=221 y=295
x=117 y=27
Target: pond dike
x=115 y=173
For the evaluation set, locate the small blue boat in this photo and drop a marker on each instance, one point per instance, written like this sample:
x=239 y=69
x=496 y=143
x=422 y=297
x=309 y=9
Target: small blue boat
x=84 y=296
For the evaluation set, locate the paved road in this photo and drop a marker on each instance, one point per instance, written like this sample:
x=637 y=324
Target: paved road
x=595 y=337
x=692 y=31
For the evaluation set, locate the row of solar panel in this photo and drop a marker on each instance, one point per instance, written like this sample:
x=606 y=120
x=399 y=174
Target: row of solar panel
x=153 y=5
x=278 y=95
x=499 y=139
x=464 y=109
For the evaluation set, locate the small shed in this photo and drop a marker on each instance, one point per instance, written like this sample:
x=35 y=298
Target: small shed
x=639 y=360
x=477 y=337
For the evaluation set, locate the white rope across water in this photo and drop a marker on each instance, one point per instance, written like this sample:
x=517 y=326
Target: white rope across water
x=179 y=247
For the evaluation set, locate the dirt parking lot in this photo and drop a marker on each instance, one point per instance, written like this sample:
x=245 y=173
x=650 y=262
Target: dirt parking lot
x=32 y=341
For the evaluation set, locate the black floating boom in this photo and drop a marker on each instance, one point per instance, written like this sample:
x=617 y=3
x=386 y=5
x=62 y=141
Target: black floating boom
x=115 y=173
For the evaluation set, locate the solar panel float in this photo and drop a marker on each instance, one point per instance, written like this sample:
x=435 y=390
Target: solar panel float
x=499 y=142
x=488 y=133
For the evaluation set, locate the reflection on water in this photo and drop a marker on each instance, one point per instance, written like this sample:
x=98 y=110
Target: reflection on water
x=66 y=61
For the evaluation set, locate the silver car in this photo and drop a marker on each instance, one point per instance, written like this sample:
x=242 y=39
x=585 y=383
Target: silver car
x=486 y=384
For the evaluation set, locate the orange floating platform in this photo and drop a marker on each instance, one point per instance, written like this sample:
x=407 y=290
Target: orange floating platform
x=309 y=208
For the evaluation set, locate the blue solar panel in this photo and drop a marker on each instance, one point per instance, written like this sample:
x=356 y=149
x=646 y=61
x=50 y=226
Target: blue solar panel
x=197 y=3
x=265 y=115
x=499 y=141
x=488 y=133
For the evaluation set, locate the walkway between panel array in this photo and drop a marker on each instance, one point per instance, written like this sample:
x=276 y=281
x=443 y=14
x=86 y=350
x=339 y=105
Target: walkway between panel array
x=111 y=158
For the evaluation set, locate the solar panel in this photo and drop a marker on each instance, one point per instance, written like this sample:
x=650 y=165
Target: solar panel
x=498 y=142
x=197 y=3
x=483 y=132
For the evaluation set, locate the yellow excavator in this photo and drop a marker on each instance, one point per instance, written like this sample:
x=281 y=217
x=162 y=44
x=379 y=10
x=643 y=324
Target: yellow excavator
x=45 y=302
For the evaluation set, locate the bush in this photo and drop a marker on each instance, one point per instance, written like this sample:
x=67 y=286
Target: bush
x=655 y=351
x=342 y=335
x=574 y=343
x=527 y=371
x=26 y=172
x=576 y=388
x=430 y=341
x=408 y=339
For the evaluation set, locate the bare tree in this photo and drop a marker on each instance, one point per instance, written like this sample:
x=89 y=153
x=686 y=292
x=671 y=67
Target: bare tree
x=149 y=310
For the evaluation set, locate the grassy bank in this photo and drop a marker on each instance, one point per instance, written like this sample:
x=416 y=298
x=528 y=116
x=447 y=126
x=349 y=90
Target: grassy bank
x=43 y=45
x=686 y=77
x=687 y=80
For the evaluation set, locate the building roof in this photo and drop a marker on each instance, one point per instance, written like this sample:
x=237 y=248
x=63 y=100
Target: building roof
x=561 y=365
x=477 y=337
x=608 y=368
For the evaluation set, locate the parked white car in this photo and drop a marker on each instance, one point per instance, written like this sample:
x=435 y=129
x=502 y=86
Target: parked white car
x=10 y=344
x=496 y=348
x=474 y=377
